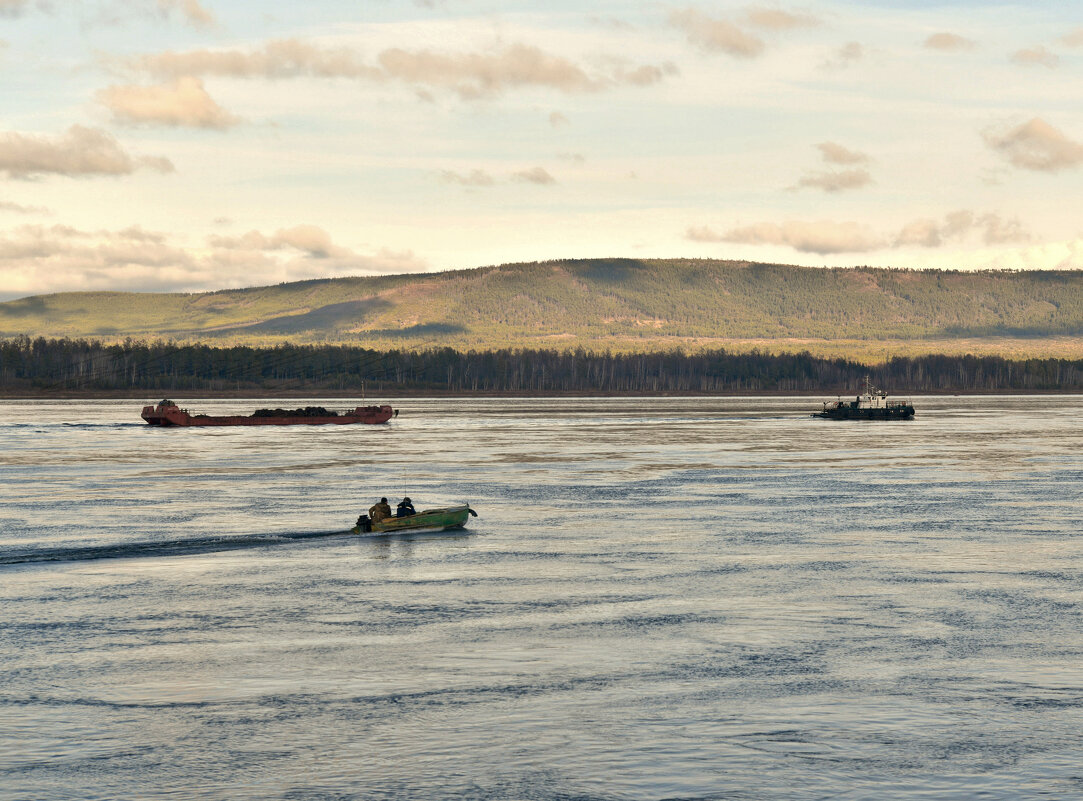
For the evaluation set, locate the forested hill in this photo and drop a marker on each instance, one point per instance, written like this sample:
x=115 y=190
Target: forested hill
x=623 y=304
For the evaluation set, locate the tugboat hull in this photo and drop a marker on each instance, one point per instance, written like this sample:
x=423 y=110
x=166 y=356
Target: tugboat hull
x=873 y=404
x=901 y=412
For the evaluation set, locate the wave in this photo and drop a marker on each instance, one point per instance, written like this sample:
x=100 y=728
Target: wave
x=182 y=547
x=197 y=545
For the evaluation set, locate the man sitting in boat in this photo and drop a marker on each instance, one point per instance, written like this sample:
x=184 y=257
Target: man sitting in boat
x=380 y=511
x=405 y=508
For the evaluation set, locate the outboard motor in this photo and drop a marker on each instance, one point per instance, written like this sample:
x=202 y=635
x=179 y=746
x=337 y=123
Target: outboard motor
x=364 y=524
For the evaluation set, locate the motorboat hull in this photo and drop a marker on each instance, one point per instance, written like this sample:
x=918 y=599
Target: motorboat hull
x=449 y=517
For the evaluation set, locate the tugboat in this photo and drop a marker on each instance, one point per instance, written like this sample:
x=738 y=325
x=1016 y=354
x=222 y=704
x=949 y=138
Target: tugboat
x=872 y=405
x=167 y=413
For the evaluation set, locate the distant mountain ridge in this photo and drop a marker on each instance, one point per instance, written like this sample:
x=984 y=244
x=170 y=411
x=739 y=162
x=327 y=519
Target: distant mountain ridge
x=623 y=304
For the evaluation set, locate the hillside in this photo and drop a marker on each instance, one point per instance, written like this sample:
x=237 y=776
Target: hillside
x=622 y=304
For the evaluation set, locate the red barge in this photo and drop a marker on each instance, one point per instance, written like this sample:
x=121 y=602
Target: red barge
x=167 y=413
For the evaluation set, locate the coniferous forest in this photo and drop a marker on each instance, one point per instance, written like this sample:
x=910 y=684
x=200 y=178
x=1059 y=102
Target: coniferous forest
x=73 y=366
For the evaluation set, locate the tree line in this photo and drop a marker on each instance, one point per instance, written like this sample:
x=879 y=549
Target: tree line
x=42 y=365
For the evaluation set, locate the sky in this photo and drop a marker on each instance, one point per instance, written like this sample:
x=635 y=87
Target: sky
x=193 y=145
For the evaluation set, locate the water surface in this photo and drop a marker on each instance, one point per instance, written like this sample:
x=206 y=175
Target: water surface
x=662 y=598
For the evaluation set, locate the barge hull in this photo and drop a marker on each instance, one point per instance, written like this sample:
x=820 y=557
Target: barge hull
x=172 y=416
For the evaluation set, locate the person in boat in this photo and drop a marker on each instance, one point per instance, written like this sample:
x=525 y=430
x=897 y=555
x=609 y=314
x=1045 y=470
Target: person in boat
x=380 y=511
x=405 y=508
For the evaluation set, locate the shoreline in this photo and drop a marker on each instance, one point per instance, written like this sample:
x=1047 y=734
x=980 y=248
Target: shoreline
x=252 y=394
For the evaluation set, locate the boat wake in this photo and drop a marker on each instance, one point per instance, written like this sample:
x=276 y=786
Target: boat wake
x=183 y=547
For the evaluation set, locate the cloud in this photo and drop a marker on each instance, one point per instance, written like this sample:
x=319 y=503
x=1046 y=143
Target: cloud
x=556 y=119
x=846 y=55
x=821 y=237
x=310 y=239
x=715 y=35
x=191 y=10
x=17 y=208
x=182 y=103
x=304 y=251
x=79 y=152
x=992 y=228
x=776 y=20
x=836 y=181
x=643 y=75
x=476 y=75
x=12 y=8
x=948 y=41
x=535 y=175
x=473 y=178
x=827 y=237
x=470 y=75
x=614 y=23
x=834 y=153
x=1074 y=39
x=574 y=158
x=1036 y=145
x=1037 y=56
x=932 y=233
x=36 y=259
x=281 y=58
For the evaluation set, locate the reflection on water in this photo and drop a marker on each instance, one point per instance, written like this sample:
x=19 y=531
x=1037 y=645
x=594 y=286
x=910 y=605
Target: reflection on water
x=661 y=598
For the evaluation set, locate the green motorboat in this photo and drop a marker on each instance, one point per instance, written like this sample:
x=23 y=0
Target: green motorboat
x=428 y=520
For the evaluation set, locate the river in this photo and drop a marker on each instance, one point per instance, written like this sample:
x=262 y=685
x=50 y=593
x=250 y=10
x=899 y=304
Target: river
x=661 y=598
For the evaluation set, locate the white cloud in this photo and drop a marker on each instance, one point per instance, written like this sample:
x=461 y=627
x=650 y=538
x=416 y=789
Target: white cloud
x=834 y=153
x=1038 y=56
x=821 y=237
x=472 y=178
x=1036 y=145
x=997 y=230
x=281 y=58
x=948 y=41
x=182 y=103
x=191 y=10
x=613 y=23
x=931 y=233
x=1074 y=39
x=825 y=237
x=556 y=119
x=535 y=175
x=475 y=75
x=310 y=239
x=12 y=8
x=17 y=208
x=777 y=20
x=848 y=54
x=470 y=75
x=715 y=35
x=79 y=152
x=837 y=181
x=38 y=259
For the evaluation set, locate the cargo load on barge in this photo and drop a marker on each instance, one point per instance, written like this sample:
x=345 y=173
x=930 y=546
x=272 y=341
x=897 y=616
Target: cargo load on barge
x=873 y=404
x=167 y=413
